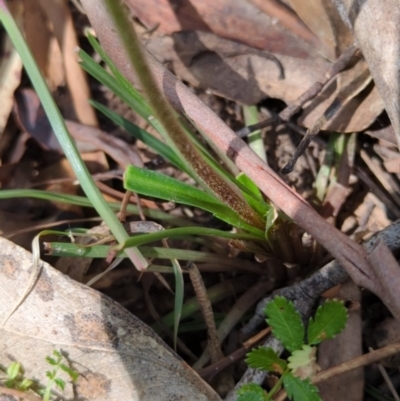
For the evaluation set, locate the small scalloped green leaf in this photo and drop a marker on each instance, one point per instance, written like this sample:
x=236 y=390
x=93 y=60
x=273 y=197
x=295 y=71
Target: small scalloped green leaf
x=13 y=370
x=265 y=359
x=251 y=392
x=300 y=390
x=286 y=323
x=330 y=319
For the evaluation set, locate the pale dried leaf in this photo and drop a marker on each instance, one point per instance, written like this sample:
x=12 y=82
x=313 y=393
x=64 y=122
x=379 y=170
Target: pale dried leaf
x=376 y=28
x=117 y=356
x=361 y=103
x=233 y=70
x=60 y=17
x=346 y=346
x=43 y=45
x=315 y=15
x=236 y=20
x=10 y=78
x=10 y=71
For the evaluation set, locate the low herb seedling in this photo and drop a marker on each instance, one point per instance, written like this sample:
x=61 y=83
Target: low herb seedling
x=287 y=326
x=15 y=378
x=54 y=379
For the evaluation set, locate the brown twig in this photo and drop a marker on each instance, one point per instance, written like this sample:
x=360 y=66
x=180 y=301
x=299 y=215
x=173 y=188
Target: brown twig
x=286 y=114
x=210 y=371
x=241 y=306
x=358 y=362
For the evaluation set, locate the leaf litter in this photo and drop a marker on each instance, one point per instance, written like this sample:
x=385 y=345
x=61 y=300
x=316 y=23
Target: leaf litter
x=245 y=54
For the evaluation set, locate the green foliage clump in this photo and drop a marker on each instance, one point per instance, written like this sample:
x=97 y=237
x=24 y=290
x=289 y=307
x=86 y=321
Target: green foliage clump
x=287 y=326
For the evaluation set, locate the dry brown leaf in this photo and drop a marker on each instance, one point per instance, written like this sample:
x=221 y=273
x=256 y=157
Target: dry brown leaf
x=60 y=17
x=360 y=98
x=31 y=118
x=346 y=346
x=246 y=77
x=234 y=70
x=289 y=20
x=43 y=44
x=116 y=355
x=376 y=28
x=230 y=19
x=10 y=69
x=325 y=22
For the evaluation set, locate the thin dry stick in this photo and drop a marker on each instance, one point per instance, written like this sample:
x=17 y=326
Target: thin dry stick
x=206 y=310
x=286 y=114
x=340 y=64
x=358 y=362
x=210 y=371
x=355 y=363
x=124 y=205
x=243 y=304
x=359 y=83
x=387 y=379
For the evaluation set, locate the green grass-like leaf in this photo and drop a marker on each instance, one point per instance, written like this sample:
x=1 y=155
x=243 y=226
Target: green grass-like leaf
x=286 y=323
x=251 y=392
x=68 y=145
x=178 y=232
x=300 y=390
x=265 y=359
x=151 y=183
x=159 y=147
x=330 y=319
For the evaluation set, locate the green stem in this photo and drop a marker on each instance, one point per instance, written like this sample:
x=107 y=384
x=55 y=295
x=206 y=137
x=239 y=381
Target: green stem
x=62 y=134
x=276 y=387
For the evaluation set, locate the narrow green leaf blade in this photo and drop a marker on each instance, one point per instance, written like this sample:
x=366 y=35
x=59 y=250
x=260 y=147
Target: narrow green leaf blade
x=286 y=323
x=251 y=392
x=300 y=390
x=151 y=183
x=255 y=200
x=159 y=147
x=265 y=359
x=330 y=320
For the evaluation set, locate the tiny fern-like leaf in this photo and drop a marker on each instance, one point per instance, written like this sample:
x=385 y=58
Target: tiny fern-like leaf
x=329 y=321
x=300 y=390
x=265 y=359
x=286 y=323
x=251 y=392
